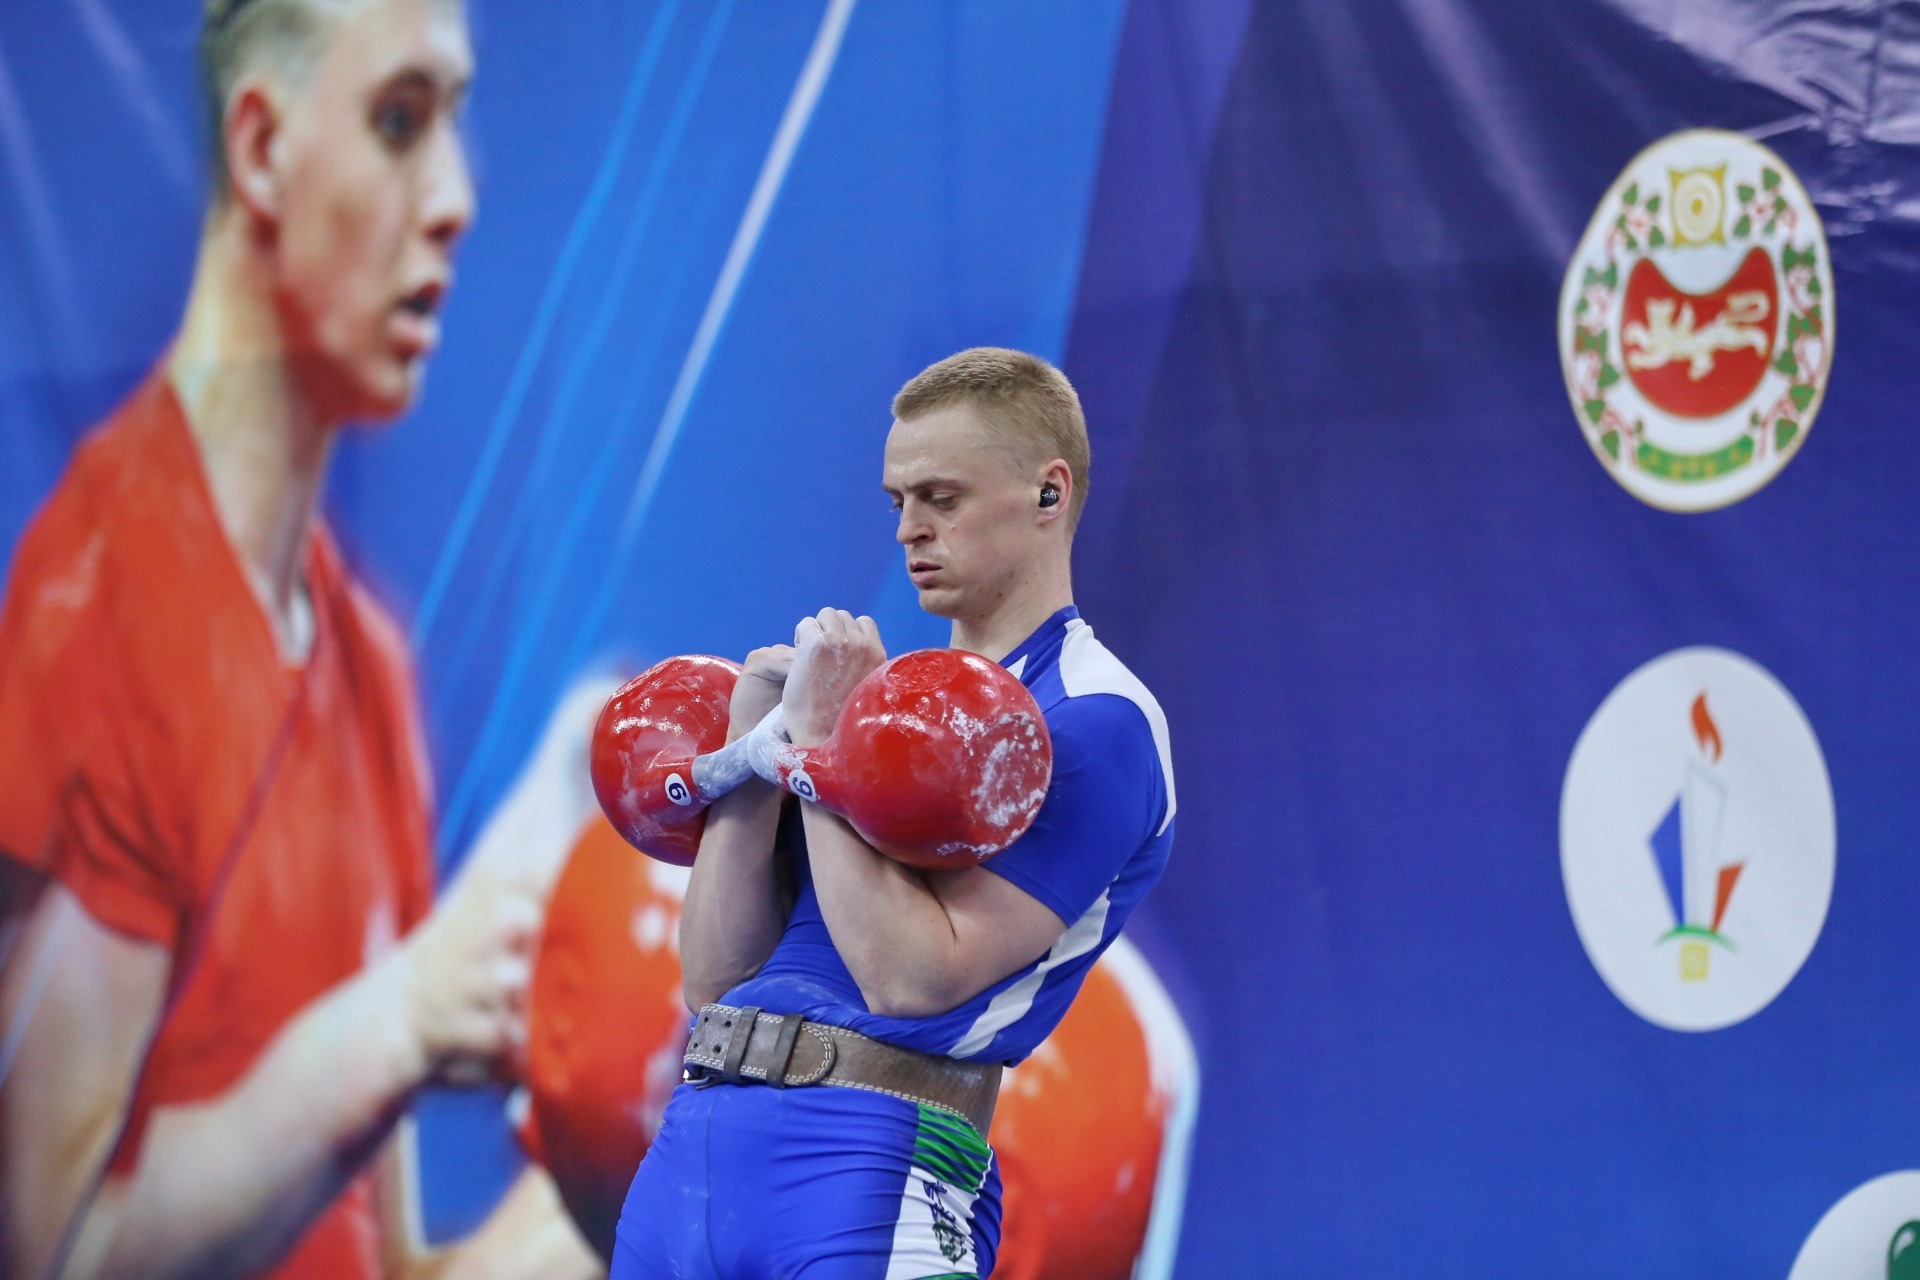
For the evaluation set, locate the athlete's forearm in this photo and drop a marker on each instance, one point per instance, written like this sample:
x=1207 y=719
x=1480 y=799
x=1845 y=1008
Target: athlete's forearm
x=887 y=923
x=920 y=943
x=735 y=908
x=225 y=1187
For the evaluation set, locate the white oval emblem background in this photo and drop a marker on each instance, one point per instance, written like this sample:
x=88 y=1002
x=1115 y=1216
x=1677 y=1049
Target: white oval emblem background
x=1856 y=1236
x=1697 y=839
x=1696 y=321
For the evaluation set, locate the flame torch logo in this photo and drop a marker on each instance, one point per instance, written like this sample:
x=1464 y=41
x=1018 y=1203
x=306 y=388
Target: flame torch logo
x=1697 y=839
x=1687 y=849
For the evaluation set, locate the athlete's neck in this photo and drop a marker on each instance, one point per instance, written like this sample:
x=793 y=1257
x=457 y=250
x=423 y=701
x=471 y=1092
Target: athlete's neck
x=1030 y=601
x=262 y=445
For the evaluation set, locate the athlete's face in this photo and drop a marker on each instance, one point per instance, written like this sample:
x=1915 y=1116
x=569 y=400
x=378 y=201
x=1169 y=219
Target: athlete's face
x=374 y=193
x=969 y=518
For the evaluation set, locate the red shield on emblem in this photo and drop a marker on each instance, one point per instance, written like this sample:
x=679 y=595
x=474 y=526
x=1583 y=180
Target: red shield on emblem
x=1697 y=355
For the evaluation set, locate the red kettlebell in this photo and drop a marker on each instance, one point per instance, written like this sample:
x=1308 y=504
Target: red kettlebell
x=939 y=759
x=649 y=734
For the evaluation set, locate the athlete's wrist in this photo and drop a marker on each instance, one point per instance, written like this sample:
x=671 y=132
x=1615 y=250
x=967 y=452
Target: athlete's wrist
x=809 y=730
x=753 y=698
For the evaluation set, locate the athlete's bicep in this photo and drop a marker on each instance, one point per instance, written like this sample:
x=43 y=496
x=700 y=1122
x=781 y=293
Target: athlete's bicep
x=1107 y=797
x=78 y=1003
x=998 y=927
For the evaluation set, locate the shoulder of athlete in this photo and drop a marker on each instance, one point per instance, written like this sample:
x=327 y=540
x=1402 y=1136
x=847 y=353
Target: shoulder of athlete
x=1099 y=718
x=59 y=584
x=1084 y=671
x=1110 y=733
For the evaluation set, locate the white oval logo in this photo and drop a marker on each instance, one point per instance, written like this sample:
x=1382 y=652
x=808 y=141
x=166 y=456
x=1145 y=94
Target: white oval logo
x=1697 y=839
x=1696 y=321
x=1873 y=1233
x=801 y=785
x=678 y=791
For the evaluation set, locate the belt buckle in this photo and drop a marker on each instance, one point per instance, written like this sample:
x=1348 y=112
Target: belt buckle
x=715 y=1031
x=727 y=1034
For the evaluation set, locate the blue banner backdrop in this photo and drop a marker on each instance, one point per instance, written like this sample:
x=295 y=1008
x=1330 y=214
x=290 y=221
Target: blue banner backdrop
x=1302 y=260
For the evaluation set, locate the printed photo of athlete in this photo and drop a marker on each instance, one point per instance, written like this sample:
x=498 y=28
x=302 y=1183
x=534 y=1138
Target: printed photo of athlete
x=927 y=983
x=227 y=974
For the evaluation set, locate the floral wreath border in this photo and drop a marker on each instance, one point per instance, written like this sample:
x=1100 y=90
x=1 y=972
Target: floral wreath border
x=1803 y=355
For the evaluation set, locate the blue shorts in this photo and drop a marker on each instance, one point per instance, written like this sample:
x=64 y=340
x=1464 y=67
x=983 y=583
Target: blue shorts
x=745 y=1182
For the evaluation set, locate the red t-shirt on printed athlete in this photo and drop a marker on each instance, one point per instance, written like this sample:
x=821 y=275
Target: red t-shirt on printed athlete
x=265 y=823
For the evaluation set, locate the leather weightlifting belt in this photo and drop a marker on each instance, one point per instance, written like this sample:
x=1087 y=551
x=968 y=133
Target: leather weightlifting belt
x=746 y=1046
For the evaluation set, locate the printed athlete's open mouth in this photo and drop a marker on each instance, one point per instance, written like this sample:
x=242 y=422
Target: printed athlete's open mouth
x=424 y=301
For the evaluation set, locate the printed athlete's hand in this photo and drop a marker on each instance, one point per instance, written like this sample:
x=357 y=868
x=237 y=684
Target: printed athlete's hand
x=462 y=976
x=758 y=689
x=833 y=652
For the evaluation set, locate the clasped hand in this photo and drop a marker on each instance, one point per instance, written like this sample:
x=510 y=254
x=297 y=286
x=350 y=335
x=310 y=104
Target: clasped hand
x=810 y=679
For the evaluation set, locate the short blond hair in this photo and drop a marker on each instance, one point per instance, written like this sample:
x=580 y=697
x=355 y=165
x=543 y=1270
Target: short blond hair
x=285 y=37
x=1023 y=399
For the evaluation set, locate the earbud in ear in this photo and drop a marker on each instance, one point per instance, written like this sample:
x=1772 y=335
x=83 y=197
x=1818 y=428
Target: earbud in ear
x=1049 y=496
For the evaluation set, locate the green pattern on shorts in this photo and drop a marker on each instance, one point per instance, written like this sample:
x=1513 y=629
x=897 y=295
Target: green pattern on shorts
x=952 y=1149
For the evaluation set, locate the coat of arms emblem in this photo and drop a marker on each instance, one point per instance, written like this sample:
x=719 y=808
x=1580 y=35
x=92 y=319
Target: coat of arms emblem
x=1696 y=321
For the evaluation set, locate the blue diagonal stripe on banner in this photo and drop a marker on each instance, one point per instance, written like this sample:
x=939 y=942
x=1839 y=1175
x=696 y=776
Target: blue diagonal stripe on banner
x=501 y=429
x=773 y=172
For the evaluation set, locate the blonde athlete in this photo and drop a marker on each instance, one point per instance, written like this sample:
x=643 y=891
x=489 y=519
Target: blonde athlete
x=925 y=983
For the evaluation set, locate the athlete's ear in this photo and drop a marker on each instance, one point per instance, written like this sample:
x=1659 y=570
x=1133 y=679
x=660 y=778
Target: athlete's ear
x=1056 y=491
x=252 y=136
